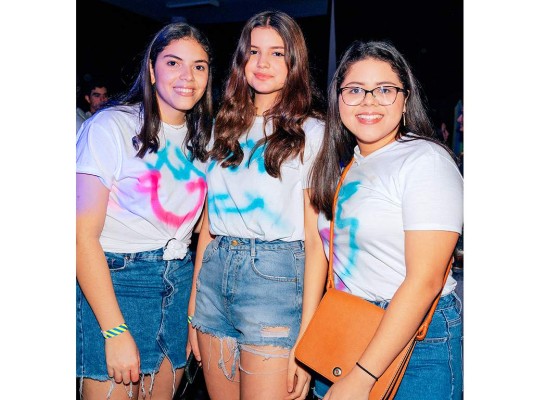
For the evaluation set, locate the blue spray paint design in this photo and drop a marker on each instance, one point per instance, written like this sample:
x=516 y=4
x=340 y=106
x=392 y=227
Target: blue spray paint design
x=181 y=173
x=350 y=223
x=222 y=203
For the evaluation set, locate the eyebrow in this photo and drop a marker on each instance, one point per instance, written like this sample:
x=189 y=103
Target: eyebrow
x=272 y=47
x=384 y=83
x=181 y=59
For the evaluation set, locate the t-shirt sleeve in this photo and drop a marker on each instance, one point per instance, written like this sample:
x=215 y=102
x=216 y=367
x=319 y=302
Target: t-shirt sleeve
x=313 y=141
x=432 y=197
x=97 y=150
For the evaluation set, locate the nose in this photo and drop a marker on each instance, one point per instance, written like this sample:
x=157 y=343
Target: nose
x=262 y=61
x=186 y=74
x=369 y=100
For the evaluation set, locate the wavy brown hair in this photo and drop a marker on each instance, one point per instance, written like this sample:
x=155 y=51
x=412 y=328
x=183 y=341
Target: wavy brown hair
x=297 y=100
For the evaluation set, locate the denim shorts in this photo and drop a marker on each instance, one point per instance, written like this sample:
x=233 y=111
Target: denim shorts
x=246 y=287
x=435 y=370
x=153 y=295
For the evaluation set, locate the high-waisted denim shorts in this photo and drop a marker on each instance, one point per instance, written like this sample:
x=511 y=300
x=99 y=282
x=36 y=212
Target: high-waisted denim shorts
x=153 y=295
x=251 y=291
x=435 y=370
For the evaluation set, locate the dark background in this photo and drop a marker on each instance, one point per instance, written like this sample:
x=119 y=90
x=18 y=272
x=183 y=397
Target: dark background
x=110 y=42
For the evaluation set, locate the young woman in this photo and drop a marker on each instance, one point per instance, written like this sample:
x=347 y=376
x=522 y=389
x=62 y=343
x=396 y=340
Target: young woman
x=140 y=190
x=249 y=270
x=398 y=217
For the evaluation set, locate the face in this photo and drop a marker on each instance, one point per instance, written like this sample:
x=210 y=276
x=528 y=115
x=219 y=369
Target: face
x=180 y=74
x=266 y=70
x=97 y=97
x=373 y=125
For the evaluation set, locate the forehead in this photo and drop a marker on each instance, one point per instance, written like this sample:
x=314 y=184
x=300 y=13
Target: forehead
x=266 y=37
x=371 y=71
x=186 y=49
x=99 y=90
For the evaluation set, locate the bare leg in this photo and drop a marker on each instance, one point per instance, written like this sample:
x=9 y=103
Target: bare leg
x=218 y=385
x=97 y=390
x=264 y=373
x=163 y=382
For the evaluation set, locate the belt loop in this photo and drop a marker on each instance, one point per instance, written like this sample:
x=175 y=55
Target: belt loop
x=252 y=247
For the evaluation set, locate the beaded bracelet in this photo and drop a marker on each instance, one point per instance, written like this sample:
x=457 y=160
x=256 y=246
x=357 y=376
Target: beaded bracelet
x=189 y=318
x=367 y=371
x=115 y=331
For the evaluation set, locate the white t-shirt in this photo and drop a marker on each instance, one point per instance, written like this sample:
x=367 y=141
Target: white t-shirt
x=247 y=202
x=152 y=199
x=403 y=186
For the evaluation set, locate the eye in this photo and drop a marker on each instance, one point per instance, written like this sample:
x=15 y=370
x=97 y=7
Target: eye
x=278 y=54
x=253 y=52
x=354 y=90
x=172 y=63
x=386 y=89
x=200 y=67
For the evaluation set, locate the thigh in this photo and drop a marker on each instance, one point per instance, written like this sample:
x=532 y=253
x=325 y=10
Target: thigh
x=167 y=382
x=263 y=372
x=92 y=389
x=220 y=366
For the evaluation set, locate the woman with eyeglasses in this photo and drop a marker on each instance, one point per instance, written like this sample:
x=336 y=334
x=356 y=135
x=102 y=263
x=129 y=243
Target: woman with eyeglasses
x=398 y=217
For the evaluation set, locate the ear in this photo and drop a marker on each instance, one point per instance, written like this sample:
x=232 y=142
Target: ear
x=152 y=74
x=87 y=99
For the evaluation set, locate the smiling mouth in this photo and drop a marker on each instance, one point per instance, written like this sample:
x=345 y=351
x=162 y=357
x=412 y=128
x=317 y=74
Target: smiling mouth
x=262 y=77
x=184 y=91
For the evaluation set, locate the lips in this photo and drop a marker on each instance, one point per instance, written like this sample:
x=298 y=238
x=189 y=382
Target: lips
x=183 y=91
x=262 y=77
x=369 y=119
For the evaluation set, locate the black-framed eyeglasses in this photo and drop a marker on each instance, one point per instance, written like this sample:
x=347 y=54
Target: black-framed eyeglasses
x=385 y=95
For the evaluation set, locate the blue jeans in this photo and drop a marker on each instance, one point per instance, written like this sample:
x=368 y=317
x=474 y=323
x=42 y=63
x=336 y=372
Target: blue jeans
x=246 y=286
x=153 y=295
x=435 y=370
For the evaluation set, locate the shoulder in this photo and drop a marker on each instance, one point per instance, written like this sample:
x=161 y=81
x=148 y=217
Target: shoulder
x=313 y=126
x=118 y=115
x=314 y=131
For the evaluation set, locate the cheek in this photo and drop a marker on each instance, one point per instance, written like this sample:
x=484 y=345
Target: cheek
x=346 y=114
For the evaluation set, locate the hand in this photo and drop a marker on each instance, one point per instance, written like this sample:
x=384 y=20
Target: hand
x=122 y=358
x=192 y=344
x=298 y=380
x=353 y=386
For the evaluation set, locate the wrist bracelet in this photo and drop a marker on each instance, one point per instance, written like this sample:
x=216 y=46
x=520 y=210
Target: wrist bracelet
x=189 y=318
x=367 y=371
x=115 y=331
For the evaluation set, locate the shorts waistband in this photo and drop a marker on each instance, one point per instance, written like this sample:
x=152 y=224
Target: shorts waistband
x=149 y=255
x=252 y=244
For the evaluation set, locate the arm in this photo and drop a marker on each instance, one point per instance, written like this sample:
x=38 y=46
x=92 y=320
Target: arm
x=204 y=238
x=427 y=254
x=92 y=273
x=314 y=285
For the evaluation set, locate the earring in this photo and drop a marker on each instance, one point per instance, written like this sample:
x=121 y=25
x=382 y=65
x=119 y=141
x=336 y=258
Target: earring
x=403 y=115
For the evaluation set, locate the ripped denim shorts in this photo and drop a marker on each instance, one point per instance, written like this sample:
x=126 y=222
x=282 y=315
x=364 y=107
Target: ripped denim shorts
x=251 y=291
x=153 y=295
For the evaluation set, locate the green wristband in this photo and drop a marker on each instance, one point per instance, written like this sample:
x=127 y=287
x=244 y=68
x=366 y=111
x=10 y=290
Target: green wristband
x=115 y=331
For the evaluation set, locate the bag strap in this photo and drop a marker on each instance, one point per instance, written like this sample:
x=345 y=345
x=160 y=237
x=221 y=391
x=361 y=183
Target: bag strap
x=422 y=330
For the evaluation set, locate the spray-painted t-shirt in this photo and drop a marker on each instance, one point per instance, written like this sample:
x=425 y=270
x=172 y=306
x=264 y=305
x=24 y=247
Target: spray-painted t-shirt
x=403 y=186
x=247 y=202
x=152 y=199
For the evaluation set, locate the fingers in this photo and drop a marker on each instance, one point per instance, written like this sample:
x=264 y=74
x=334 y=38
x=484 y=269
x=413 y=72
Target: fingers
x=303 y=385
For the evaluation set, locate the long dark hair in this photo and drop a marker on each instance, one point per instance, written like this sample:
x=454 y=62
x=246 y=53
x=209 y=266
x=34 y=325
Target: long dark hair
x=199 y=119
x=338 y=145
x=298 y=99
